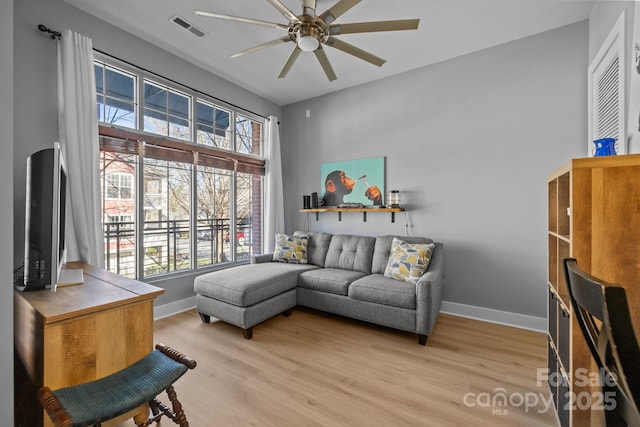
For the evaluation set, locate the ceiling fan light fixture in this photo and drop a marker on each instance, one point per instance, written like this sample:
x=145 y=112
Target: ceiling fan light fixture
x=308 y=43
x=307 y=39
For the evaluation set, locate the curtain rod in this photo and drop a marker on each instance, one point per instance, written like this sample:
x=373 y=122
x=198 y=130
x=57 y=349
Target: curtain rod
x=56 y=35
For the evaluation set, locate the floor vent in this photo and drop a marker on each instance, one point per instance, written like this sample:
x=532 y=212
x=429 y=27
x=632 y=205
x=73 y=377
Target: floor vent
x=187 y=25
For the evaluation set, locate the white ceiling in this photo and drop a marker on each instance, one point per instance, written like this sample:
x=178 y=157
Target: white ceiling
x=448 y=28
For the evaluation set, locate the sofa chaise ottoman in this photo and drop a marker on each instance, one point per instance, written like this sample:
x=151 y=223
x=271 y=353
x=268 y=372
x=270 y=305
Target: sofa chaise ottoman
x=245 y=296
x=343 y=274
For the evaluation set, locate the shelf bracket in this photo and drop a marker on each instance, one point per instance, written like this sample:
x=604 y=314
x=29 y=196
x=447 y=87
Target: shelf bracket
x=364 y=217
x=393 y=217
x=339 y=216
x=317 y=216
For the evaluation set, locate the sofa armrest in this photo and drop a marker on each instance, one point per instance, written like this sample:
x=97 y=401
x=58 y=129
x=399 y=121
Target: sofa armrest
x=259 y=259
x=429 y=292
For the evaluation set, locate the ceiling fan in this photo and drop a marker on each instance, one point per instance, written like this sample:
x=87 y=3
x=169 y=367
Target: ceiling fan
x=309 y=32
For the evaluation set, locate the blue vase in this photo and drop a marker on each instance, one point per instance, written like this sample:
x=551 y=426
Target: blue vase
x=605 y=147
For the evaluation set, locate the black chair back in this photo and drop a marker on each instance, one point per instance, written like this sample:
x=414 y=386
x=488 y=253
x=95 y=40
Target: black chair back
x=602 y=311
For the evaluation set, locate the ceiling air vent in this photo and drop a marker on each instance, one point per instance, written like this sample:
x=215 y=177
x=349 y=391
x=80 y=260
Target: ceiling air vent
x=197 y=31
x=176 y=19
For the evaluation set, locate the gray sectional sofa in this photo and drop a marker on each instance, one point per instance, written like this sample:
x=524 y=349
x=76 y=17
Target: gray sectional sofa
x=344 y=275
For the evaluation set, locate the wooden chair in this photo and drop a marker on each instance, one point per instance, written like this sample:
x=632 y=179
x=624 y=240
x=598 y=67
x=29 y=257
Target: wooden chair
x=104 y=399
x=602 y=311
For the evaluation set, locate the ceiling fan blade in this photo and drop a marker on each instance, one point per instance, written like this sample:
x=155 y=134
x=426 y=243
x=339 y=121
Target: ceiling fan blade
x=337 y=10
x=240 y=19
x=367 y=27
x=324 y=62
x=275 y=42
x=292 y=59
x=355 y=51
x=309 y=8
x=284 y=10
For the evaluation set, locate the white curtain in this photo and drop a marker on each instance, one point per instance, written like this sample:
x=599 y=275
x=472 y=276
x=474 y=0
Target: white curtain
x=78 y=134
x=274 y=198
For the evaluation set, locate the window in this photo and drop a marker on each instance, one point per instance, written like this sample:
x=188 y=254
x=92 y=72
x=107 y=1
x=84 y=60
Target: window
x=118 y=185
x=214 y=215
x=166 y=112
x=119 y=212
x=213 y=126
x=167 y=223
x=124 y=222
x=248 y=190
x=248 y=135
x=116 y=96
x=182 y=184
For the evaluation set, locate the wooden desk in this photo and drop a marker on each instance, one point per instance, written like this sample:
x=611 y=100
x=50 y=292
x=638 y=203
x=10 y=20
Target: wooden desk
x=81 y=332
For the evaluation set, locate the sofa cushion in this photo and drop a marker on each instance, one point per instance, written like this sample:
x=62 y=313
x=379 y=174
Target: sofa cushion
x=332 y=280
x=383 y=250
x=381 y=290
x=317 y=247
x=350 y=253
x=408 y=261
x=291 y=249
x=249 y=284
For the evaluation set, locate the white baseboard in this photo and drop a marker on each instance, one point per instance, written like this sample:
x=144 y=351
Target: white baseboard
x=175 y=307
x=522 y=321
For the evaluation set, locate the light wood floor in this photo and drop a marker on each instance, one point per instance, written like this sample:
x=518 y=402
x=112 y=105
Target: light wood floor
x=312 y=370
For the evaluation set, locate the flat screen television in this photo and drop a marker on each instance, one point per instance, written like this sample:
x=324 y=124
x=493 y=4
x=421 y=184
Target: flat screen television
x=44 y=243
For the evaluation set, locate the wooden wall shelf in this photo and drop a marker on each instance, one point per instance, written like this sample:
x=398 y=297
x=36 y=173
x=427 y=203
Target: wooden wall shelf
x=364 y=211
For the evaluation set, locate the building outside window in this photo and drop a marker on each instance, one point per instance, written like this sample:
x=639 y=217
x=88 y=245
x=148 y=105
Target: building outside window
x=119 y=185
x=182 y=176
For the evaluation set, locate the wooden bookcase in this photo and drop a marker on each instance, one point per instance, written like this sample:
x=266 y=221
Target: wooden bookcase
x=594 y=216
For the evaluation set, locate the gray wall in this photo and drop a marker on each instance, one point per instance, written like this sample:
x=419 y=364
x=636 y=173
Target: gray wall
x=602 y=19
x=6 y=212
x=36 y=124
x=469 y=142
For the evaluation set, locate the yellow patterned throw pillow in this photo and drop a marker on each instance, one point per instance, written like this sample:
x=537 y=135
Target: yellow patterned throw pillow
x=291 y=249
x=408 y=261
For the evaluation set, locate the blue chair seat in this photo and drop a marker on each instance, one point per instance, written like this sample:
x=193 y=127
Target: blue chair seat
x=97 y=401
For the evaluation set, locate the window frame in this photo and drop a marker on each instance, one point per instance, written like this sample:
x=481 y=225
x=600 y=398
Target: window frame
x=167 y=111
x=235 y=162
x=109 y=66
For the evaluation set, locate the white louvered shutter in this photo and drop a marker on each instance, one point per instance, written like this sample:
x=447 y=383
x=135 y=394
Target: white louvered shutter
x=606 y=91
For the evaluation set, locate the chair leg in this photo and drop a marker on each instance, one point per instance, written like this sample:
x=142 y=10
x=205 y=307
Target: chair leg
x=422 y=339
x=205 y=318
x=180 y=417
x=247 y=333
x=175 y=413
